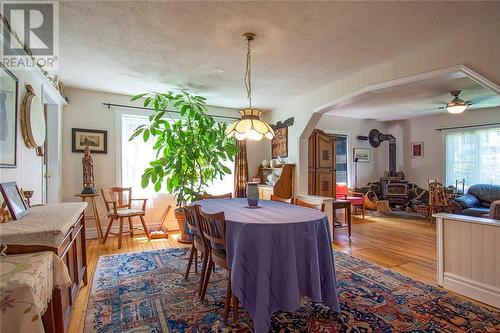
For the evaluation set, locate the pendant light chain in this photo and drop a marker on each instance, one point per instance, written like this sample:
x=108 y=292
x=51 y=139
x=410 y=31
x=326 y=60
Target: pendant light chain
x=248 y=74
x=249 y=126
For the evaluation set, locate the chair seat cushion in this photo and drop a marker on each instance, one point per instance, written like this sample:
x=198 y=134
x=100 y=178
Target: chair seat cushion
x=356 y=200
x=219 y=253
x=198 y=242
x=129 y=212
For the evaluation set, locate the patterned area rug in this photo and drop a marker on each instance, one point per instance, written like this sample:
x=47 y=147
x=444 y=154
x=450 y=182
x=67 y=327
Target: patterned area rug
x=146 y=292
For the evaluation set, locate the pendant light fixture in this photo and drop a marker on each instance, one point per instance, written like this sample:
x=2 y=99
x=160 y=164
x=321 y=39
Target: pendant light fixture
x=249 y=126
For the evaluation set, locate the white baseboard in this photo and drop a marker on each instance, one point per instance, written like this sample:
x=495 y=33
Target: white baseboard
x=478 y=291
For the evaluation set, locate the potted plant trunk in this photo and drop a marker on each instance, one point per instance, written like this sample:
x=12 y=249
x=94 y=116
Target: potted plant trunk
x=190 y=148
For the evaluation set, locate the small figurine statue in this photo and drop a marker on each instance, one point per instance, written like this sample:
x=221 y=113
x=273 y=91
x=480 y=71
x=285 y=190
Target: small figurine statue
x=88 y=172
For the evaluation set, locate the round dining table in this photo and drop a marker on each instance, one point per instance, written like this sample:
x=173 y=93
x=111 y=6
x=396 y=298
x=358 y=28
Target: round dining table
x=277 y=253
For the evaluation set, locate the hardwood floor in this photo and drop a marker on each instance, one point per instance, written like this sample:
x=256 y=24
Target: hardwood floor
x=405 y=246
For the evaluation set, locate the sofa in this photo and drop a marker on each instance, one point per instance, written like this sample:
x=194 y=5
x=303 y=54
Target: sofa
x=477 y=201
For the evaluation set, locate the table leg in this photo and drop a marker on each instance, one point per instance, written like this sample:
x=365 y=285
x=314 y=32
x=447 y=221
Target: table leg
x=96 y=219
x=348 y=211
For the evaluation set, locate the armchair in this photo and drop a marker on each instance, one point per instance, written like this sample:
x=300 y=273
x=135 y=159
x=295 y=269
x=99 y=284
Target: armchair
x=118 y=202
x=357 y=199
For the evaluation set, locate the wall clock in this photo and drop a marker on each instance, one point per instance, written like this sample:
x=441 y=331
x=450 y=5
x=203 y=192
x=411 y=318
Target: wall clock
x=33 y=119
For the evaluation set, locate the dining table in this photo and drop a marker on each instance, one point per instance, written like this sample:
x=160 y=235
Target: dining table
x=277 y=252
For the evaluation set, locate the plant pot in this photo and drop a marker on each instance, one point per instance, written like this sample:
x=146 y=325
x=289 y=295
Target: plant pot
x=181 y=221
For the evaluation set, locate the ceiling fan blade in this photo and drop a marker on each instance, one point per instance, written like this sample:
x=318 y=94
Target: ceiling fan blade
x=486 y=102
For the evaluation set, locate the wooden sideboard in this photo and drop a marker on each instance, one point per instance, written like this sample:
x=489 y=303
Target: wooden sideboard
x=283 y=186
x=65 y=236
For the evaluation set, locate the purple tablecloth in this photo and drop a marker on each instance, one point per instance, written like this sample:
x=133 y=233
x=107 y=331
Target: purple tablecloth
x=276 y=254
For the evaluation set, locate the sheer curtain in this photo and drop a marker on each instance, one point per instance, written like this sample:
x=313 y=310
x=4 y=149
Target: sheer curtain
x=137 y=154
x=473 y=155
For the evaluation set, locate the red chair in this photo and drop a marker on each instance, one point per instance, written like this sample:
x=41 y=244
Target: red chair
x=356 y=199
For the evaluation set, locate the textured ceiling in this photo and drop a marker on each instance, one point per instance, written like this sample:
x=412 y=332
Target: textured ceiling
x=416 y=99
x=131 y=47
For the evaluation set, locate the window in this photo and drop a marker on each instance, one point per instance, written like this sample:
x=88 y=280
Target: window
x=473 y=155
x=136 y=155
x=341 y=159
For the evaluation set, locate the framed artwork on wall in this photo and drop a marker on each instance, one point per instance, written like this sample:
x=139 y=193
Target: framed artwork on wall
x=97 y=140
x=279 y=144
x=14 y=200
x=8 y=118
x=363 y=155
x=417 y=150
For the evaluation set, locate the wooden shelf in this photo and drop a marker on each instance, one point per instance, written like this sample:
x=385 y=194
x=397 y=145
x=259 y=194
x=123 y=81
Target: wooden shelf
x=283 y=187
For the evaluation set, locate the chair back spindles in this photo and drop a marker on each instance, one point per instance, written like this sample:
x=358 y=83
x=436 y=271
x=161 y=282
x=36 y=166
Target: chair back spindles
x=192 y=218
x=121 y=196
x=213 y=227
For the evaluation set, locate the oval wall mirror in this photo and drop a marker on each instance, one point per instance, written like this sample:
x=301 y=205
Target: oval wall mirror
x=33 y=119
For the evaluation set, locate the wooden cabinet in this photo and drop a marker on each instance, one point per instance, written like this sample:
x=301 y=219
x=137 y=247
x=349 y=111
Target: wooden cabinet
x=321 y=164
x=73 y=251
x=283 y=186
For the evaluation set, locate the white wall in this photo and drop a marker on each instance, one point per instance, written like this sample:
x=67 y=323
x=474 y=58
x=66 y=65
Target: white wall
x=477 y=48
x=85 y=110
x=28 y=172
x=352 y=128
x=423 y=129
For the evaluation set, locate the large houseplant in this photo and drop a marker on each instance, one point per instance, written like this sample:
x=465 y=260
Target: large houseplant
x=190 y=147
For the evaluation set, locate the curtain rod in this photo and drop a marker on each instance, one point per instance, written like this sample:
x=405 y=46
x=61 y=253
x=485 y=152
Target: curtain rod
x=465 y=126
x=109 y=105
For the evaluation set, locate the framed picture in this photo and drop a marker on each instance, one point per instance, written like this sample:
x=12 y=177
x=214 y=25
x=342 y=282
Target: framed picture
x=417 y=150
x=14 y=200
x=8 y=118
x=279 y=144
x=363 y=155
x=97 y=140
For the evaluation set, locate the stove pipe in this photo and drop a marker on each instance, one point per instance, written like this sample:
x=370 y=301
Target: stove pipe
x=376 y=138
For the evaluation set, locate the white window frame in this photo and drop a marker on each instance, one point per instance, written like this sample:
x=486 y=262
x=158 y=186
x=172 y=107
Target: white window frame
x=452 y=130
x=119 y=112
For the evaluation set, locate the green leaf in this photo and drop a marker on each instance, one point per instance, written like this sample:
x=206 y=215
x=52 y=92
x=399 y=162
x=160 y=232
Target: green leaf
x=136 y=97
x=145 y=135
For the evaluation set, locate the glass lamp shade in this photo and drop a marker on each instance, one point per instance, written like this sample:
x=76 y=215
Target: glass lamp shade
x=456 y=106
x=250 y=127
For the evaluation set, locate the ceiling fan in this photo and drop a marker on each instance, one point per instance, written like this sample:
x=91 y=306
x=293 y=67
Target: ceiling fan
x=458 y=105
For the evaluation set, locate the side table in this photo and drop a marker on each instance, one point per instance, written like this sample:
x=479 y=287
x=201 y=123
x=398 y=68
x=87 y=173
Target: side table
x=95 y=216
x=342 y=204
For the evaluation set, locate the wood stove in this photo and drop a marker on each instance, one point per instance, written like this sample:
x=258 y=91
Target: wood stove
x=395 y=190
x=393 y=185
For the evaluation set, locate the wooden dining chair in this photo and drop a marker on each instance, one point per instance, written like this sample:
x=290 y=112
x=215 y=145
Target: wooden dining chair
x=118 y=202
x=318 y=206
x=199 y=246
x=276 y=198
x=213 y=227
x=203 y=196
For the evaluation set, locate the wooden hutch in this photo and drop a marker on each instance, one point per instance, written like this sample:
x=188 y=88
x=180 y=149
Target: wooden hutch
x=321 y=164
x=283 y=186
